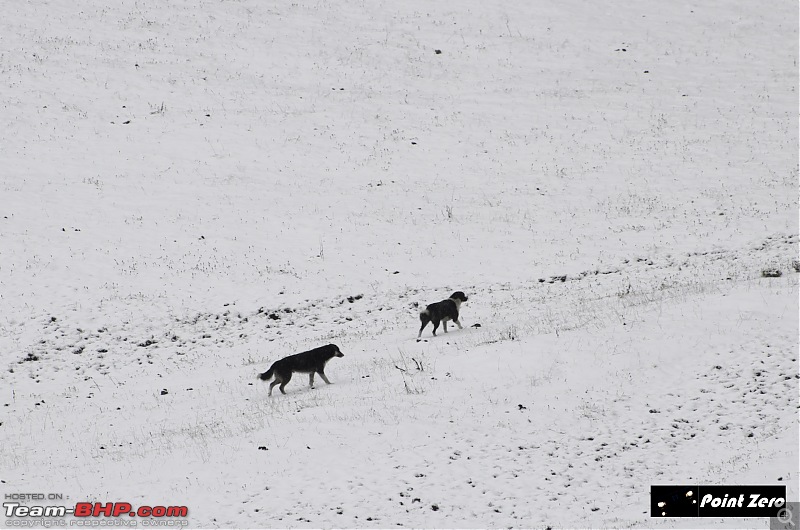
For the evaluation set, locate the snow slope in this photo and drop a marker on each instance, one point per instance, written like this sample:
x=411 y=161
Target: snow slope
x=192 y=190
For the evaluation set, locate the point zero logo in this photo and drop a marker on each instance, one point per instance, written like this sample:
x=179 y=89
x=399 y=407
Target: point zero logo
x=717 y=501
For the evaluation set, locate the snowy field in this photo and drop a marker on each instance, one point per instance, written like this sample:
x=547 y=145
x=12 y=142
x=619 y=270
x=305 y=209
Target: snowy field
x=190 y=191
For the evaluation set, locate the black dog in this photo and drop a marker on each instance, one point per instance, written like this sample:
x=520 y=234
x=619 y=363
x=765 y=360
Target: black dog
x=442 y=312
x=307 y=362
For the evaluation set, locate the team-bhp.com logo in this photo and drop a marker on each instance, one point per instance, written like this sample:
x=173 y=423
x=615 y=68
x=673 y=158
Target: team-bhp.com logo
x=91 y=514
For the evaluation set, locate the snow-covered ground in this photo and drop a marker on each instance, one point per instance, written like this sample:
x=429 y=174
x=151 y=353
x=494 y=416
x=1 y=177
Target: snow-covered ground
x=191 y=190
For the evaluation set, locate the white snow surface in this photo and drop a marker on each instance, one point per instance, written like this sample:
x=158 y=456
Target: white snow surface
x=190 y=191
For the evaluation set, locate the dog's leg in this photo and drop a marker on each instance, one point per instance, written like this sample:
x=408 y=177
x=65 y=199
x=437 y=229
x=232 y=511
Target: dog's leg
x=284 y=381
x=322 y=375
x=311 y=379
x=458 y=324
x=435 y=327
x=273 y=385
x=424 y=318
x=444 y=325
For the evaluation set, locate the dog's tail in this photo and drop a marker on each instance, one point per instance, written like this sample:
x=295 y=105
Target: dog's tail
x=424 y=318
x=266 y=376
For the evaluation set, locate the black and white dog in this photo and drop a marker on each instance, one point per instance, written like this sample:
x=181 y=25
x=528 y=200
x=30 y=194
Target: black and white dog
x=442 y=312
x=308 y=362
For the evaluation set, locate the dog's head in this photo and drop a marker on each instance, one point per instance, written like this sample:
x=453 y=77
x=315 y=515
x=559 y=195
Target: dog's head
x=459 y=295
x=336 y=351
